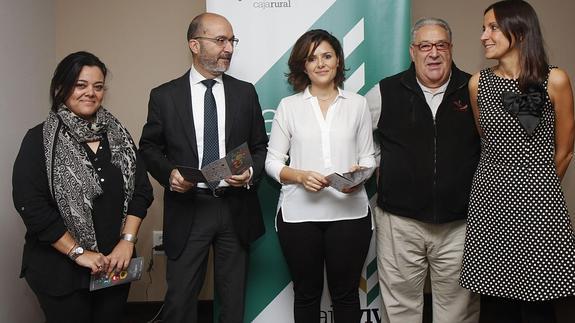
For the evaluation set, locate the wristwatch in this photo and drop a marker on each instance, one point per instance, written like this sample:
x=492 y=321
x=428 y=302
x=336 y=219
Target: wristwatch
x=76 y=252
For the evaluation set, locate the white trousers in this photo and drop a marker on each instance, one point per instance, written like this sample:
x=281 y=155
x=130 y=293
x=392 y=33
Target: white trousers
x=406 y=248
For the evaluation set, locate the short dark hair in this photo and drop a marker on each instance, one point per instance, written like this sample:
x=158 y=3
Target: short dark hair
x=66 y=75
x=297 y=77
x=518 y=22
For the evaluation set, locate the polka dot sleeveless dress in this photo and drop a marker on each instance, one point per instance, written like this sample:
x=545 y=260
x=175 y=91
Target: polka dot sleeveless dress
x=519 y=242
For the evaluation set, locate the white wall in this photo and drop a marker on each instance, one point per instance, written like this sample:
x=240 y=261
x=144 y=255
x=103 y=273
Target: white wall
x=26 y=62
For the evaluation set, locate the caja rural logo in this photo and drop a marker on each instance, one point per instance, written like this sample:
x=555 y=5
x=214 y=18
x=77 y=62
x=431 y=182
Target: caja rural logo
x=368 y=55
x=270 y=4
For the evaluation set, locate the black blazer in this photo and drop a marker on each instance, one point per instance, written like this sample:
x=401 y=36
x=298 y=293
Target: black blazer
x=169 y=139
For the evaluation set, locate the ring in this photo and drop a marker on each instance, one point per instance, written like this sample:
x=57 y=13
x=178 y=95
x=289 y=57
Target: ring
x=99 y=266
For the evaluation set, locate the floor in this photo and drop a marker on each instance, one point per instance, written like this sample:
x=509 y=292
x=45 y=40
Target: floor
x=145 y=312
x=149 y=312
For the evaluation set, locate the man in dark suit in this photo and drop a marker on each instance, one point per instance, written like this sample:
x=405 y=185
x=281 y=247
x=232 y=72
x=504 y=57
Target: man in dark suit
x=192 y=121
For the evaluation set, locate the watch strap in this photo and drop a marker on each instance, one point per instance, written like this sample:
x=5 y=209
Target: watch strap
x=76 y=252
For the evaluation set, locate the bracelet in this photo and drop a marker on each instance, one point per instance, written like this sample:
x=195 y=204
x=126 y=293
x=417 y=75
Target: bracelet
x=71 y=249
x=129 y=237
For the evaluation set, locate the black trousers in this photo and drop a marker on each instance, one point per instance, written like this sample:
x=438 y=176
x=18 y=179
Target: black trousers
x=505 y=310
x=342 y=246
x=82 y=306
x=213 y=226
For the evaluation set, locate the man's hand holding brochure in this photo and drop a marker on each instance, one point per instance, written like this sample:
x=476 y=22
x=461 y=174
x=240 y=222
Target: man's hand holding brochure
x=235 y=162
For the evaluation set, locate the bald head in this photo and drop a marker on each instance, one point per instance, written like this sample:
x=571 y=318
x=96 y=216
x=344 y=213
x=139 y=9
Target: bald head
x=199 y=26
x=211 y=40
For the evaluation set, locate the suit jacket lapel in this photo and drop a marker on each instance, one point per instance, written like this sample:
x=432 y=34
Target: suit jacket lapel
x=183 y=101
x=231 y=107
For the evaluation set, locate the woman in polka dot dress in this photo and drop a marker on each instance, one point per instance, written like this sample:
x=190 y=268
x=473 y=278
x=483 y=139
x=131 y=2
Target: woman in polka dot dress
x=520 y=246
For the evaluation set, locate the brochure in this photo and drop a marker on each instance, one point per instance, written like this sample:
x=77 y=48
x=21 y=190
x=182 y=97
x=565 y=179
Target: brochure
x=235 y=162
x=133 y=272
x=348 y=180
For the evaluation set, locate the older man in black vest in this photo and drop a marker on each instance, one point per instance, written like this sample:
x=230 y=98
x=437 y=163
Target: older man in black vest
x=429 y=153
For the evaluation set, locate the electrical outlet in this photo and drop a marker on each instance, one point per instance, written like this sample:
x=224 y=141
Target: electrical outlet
x=157 y=242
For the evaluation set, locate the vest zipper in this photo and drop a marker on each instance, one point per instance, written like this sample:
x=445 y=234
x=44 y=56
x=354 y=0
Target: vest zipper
x=434 y=171
x=445 y=96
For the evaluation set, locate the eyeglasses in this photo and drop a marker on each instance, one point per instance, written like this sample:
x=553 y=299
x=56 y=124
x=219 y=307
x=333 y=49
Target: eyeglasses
x=426 y=47
x=221 y=41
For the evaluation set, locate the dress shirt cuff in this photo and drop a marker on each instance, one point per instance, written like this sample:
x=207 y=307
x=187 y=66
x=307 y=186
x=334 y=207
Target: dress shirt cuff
x=371 y=171
x=275 y=162
x=368 y=161
x=249 y=183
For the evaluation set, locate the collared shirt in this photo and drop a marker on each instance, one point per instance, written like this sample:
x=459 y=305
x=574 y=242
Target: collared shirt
x=198 y=90
x=325 y=145
x=373 y=97
x=433 y=97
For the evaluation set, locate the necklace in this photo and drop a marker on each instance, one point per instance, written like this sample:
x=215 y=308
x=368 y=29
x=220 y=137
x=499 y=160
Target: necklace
x=499 y=71
x=329 y=97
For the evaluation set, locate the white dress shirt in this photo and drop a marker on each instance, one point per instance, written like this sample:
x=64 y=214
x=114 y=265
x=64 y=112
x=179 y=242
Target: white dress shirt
x=325 y=145
x=198 y=90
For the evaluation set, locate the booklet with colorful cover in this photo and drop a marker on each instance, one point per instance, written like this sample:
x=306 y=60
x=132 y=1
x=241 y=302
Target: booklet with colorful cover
x=235 y=162
x=133 y=272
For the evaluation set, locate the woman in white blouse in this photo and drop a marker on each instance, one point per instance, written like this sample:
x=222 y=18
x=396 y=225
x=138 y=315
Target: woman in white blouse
x=322 y=129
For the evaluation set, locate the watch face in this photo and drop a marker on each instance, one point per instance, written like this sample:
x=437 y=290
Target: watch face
x=77 y=252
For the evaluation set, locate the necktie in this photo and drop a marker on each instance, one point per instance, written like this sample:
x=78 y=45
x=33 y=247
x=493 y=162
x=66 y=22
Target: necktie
x=211 y=145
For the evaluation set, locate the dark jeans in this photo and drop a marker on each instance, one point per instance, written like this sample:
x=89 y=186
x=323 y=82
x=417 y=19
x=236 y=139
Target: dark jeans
x=82 y=306
x=342 y=246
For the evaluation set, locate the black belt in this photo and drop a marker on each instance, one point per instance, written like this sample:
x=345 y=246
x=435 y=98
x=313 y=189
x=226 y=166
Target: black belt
x=218 y=192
